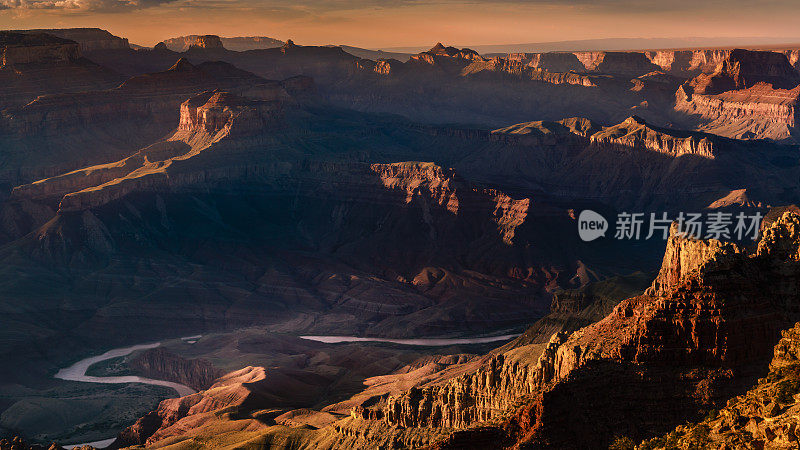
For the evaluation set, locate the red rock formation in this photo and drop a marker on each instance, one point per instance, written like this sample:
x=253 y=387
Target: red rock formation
x=161 y=364
x=388 y=66
x=759 y=111
x=764 y=417
x=176 y=416
x=749 y=94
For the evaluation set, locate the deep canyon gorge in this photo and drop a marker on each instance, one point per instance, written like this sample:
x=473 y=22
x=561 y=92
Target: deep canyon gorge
x=242 y=242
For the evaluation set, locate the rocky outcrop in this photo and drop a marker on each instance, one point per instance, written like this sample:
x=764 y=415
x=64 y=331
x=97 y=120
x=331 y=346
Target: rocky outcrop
x=211 y=112
x=477 y=397
x=421 y=178
x=237 y=44
x=388 y=66
x=685 y=257
x=635 y=133
x=684 y=63
x=450 y=52
x=161 y=364
x=505 y=67
x=793 y=56
x=442 y=60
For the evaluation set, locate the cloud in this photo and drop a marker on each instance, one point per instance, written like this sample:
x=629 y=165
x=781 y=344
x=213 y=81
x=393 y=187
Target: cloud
x=322 y=7
x=81 y=5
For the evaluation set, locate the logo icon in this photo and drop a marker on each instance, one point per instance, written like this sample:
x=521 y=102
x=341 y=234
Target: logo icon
x=591 y=225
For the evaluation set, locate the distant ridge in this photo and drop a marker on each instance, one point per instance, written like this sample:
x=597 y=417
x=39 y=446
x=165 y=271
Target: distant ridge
x=243 y=43
x=89 y=39
x=620 y=44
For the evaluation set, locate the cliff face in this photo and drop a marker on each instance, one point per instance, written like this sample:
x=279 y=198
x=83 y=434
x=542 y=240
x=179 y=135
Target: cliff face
x=504 y=67
x=684 y=63
x=756 y=112
x=764 y=417
x=711 y=313
x=161 y=364
x=743 y=69
x=18 y=48
x=687 y=62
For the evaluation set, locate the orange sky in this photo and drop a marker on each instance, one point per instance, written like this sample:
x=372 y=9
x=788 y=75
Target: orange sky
x=381 y=24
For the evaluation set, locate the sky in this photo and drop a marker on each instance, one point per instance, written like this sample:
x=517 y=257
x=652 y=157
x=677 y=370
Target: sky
x=406 y=23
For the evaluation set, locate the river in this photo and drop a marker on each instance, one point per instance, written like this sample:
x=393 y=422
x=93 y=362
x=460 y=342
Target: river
x=77 y=371
x=433 y=342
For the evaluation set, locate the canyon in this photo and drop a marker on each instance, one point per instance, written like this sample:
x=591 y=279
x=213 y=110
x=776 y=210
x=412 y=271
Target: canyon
x=683 y=347
x=254 y=194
